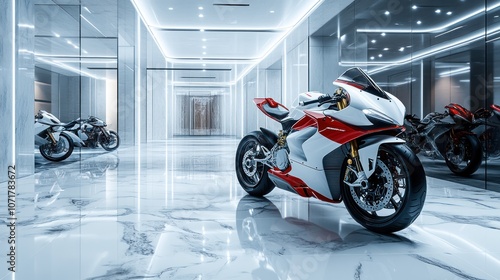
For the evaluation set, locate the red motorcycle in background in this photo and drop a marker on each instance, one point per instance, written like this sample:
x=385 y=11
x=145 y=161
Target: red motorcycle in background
x=343 y=147
x=447 y=136
x=488 y=130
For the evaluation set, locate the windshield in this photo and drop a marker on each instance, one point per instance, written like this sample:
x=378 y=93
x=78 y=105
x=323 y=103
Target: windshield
x=362 y=80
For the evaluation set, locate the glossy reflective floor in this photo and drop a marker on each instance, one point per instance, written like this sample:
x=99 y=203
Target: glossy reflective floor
x=174 y=210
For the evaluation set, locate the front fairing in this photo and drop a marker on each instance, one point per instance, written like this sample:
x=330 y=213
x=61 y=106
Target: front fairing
x=366 y=96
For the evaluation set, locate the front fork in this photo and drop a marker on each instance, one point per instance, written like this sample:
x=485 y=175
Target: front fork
x=361 y=180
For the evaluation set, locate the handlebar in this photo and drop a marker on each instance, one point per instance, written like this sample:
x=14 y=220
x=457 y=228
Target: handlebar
x=322 y=99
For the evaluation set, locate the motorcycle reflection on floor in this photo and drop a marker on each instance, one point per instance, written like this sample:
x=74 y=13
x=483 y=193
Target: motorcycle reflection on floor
x=293 y=248
x=446 y=136
x=49 y=184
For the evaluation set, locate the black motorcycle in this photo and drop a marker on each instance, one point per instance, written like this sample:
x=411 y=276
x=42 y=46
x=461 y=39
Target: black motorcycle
x=446 y=136
x=92 y=132
x=488 y=130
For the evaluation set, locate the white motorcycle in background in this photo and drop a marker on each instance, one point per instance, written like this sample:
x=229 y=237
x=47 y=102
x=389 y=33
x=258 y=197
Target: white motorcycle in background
x=53 y=143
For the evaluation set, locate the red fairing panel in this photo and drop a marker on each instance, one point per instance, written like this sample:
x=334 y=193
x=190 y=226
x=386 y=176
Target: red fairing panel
x=340 y=132
x=261 y=101
x=305 y=122
x=495 y=107
x=456 y=109
x=299 y=186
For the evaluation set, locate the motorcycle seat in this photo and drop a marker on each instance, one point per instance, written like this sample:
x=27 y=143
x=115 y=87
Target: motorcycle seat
x=428 y=118
x=277 y=112
x=69 y=125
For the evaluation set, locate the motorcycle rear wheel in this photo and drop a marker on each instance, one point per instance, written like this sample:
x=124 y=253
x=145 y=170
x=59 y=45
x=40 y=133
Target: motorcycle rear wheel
x=396 y=192
x=469 y=153
x=251 y=174
x=66 y=146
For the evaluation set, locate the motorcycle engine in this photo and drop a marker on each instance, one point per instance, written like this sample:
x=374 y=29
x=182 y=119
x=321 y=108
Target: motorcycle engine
x=281 y=159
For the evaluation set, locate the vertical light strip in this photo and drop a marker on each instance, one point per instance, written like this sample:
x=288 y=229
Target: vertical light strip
x=138 y=79
x=14 y=72
x=242 y=109
x=167 y=119
x=138 y=106
x=283 y=69
x=421 y=88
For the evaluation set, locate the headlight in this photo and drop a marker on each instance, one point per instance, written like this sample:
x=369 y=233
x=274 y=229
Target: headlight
x=378 y=118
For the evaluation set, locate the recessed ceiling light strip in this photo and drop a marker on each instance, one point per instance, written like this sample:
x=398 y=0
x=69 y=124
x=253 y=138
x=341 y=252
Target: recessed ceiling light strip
x=430 y=30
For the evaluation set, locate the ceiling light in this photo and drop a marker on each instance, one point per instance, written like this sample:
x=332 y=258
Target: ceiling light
x=203 y=70
x=387 y=13
x=372 y=57
x=69 y=42
x=272 y=12
x=202 y=30
x=170 y=8
x=204 y=64
x=200 y=15
x=419 y=22
x=84 y=51
x=414 y=7
x=383 y=34
x=204 y=40
x=386 y=49
x=204 y=47
x=87 y=9
x=200 y=8
x=438 y=11
x=57 y=35
x=374 y=41
x=401 y=49
x=204 y=52
x=379 y=55
x=449 y=13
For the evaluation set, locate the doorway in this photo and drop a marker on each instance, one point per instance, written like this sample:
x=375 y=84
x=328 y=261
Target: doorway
x=201 y=115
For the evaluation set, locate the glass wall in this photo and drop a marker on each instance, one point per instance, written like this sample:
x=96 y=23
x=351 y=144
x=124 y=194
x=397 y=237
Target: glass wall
x=428 y=54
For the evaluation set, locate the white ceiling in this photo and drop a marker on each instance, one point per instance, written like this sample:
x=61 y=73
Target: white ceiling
x=227 y=34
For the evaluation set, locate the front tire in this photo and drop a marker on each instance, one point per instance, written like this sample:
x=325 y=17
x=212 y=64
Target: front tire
x=464 y=157
x=110 y=143
x=251 y=174
x=60 y=151
x=395 y=194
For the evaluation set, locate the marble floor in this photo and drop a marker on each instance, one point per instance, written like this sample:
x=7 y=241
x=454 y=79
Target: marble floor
x=174 y=210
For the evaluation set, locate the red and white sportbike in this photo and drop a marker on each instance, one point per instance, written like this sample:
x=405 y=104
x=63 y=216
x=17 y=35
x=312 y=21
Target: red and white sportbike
x=339 y=148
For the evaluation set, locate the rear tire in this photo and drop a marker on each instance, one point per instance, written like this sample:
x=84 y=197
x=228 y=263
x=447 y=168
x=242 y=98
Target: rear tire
x=396 y=192
x=252 y=175
x=465 y=157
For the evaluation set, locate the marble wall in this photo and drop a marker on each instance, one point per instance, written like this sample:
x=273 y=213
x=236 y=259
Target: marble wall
x=16 y=87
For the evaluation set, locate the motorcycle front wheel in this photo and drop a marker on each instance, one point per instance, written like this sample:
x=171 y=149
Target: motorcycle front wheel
x=251 y=174
x=394 y=195
x=110 y=143
x=464 y=156
x=59 y=151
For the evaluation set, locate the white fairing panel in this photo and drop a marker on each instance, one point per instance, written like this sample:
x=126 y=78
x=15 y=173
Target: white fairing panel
x=368 y=154
x=360 y=100
x=311 y=170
